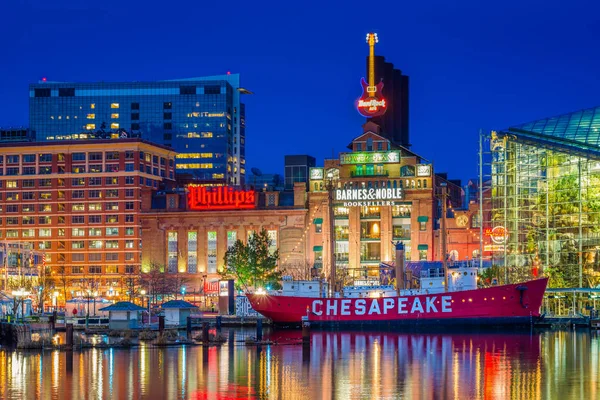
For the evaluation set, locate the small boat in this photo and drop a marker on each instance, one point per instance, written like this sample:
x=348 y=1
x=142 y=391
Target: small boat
x=363 y=305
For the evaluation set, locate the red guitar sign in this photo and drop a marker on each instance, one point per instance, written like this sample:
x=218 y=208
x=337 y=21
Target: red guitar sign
x=371 y=103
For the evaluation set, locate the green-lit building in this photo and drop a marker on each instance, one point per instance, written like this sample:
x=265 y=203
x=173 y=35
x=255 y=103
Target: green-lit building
x=544 y=201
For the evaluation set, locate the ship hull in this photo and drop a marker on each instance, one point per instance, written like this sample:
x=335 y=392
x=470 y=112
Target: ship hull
x=499 y=306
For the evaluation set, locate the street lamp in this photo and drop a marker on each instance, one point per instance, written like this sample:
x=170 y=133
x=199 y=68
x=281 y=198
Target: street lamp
x=20 y=294
x=143 y=293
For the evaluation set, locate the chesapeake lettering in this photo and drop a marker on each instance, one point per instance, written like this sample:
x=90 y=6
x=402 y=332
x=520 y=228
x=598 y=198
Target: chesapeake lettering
x=382 y=306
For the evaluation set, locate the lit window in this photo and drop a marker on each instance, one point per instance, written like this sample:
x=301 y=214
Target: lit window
x=92 y=106
x=91 y=116
x=90 y=126
x=114 y=105
x=114 y=125
x=114 y=115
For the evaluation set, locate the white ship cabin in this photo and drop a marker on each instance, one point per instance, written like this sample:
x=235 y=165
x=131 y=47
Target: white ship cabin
x=314 y=288
x=461 y=276
x=368 y=289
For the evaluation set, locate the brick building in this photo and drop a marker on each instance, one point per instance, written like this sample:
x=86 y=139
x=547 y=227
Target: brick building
x=188 y=231
x=79 y=202
x=382 y=193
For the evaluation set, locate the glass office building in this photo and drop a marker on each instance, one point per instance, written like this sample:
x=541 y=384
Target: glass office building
x=545 y=199
x=202 y=119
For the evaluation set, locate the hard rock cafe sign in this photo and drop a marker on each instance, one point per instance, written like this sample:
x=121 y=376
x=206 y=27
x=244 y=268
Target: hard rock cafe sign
x=202 y=198
x=371 y=103
x=498 y=234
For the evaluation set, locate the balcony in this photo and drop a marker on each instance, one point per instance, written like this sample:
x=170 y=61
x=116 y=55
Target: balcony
x=369 y=174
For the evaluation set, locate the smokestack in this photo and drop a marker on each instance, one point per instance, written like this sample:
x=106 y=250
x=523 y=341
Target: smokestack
x=400 y=285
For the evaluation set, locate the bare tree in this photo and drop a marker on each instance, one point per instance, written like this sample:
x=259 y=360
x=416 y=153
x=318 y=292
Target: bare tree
x=298 y=270
x=63 y=280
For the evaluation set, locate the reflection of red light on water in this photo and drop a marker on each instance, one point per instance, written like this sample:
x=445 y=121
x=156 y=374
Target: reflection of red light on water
x=232 y=392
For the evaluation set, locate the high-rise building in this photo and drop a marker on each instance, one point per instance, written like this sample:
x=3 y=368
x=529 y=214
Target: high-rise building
x=79 y=202
x=296 y=169
x=15 y=134
x=394 y=123
x=202 y=119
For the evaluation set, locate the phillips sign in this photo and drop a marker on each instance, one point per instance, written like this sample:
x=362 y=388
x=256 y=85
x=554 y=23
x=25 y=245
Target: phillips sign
x=220 y=198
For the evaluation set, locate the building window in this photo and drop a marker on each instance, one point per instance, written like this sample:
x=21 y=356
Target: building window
x=112 y=257
x=129 y=231
x=475 y=220
x=95 y=232
x=78 y=257
x=96 y=244
x=130 y=269
x=172 y=251
x=422 y=255
x=66 y=92
x=43 y=92
x=273 y=238
x=112 y=231
x=112 y=219
x=167 y=105
x=78 y=219
x=135 y=106
x=95 y=269
x=112 y=269
x=45 y=232
x=318 y=225
x=212 y=252
x=77 y=232
x=95 y=219
x=94 y=257
x=78 y=244
x=77 y=270
x=192 y=260
x=112 y=244
x=114 y=105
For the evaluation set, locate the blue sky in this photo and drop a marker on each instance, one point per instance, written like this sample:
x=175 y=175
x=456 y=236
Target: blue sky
x=472 y=64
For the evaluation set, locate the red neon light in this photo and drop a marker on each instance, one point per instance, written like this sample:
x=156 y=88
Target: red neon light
x=220 y=198
x=498 y=231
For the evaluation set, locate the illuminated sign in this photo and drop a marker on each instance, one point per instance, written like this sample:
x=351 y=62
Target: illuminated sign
x=379 y=157
x=219 y=198
x=493 y=247
x=316 y=173
x=498 y=234
x=371 y=103
x=368 y=197
x=423 y=170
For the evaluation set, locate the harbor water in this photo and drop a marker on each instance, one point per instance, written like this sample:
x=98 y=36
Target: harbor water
x=337 y=365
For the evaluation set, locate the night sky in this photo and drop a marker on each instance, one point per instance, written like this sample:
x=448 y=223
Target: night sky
x=472 y=64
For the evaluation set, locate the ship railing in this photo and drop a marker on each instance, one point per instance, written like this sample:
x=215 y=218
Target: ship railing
x=432 y=273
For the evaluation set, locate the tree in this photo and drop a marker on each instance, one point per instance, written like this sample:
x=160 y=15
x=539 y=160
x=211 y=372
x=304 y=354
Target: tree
x=158 y=282
x=253 y=264
x=19 y=283
x=63 y=280
x=45 y=284
x=131 y=282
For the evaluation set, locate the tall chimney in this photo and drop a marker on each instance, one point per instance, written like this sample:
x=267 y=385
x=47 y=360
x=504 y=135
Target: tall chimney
x=400 y=285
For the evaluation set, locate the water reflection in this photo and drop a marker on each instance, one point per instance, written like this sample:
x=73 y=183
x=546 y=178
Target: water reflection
x=337 y=365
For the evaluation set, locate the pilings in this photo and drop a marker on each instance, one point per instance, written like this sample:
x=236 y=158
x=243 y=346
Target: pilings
x=205 y=333
x=161 y=324
x=69 y=335
x=259 y=330
x=188 y=327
